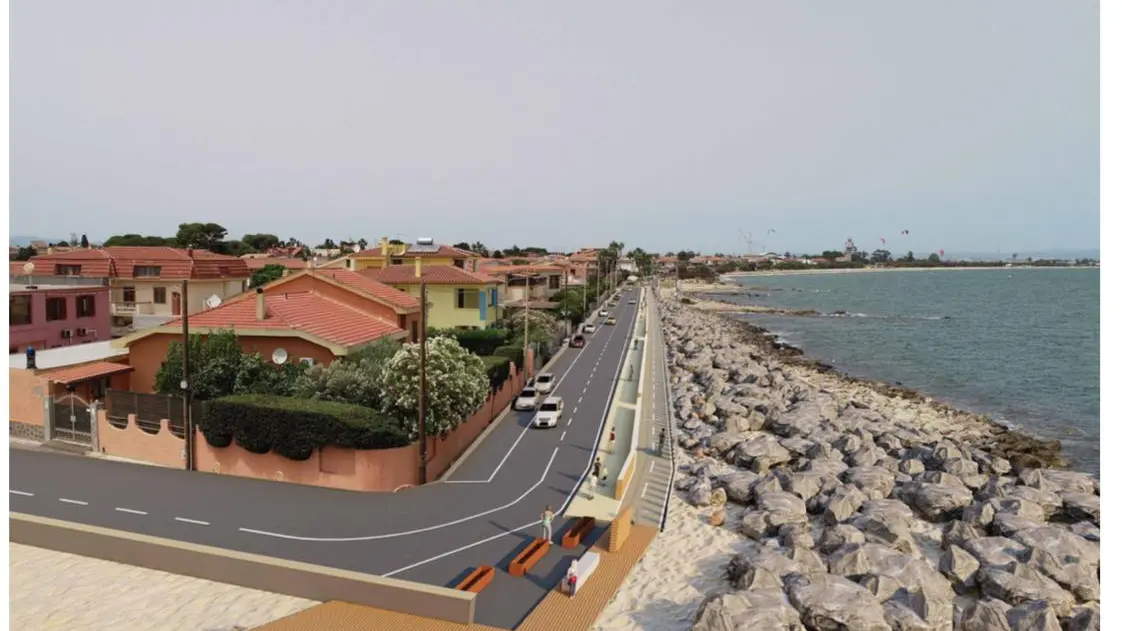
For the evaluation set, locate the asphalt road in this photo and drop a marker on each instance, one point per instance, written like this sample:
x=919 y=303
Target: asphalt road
x=434 y=534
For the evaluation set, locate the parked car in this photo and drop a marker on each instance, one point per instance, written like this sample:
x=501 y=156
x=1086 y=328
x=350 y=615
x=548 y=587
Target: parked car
x=589 y=328
x=610 y=321
x=549 y=413
x=544 y=383
x=631 y=302
x=527 y=399
x=577 y=341
x=603 y=313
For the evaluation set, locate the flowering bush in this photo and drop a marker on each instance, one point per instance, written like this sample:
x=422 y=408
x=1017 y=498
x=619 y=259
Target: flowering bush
x=456 y=379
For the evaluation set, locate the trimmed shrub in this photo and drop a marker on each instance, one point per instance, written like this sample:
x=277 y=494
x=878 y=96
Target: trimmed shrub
x=295 y=428
x=498 y=370
x=512 y=353
x=481 y=342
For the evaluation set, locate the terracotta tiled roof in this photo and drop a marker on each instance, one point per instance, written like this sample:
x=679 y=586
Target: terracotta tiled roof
x=121 y=261
x=443 y=251
x=75 y=374
x=525 y=269
x=433 y=275
x=371 y=286
x=306 y=311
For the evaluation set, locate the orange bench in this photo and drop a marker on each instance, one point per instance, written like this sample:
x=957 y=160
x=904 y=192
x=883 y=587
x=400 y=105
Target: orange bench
x=528 y=557
x=578 y=532
x=478 y=580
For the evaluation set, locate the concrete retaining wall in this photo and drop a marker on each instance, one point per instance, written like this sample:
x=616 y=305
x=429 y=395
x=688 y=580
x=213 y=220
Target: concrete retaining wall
x=278 y=576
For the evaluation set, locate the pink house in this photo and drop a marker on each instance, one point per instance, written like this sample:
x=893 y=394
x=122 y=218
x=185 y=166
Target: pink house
x=50 y=316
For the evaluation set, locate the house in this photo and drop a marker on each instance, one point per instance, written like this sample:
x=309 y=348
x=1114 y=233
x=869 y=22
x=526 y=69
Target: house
x=529 y=285
x=388 y=254
x=308 y=317
x=457 y=298
x=50 y=316
x=146 y=282
x=256 y=261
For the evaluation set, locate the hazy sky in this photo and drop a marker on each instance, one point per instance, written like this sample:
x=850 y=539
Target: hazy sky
x=662 y=124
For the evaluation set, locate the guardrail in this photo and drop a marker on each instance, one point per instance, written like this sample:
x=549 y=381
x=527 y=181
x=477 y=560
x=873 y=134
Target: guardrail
x=669 y=417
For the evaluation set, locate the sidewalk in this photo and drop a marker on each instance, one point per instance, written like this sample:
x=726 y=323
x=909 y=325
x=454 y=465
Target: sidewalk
x=654 y=472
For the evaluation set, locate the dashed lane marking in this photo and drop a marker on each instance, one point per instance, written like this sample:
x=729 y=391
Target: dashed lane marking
x=75 y=502
x=23 y=493
x=192 y=521
x=131 y=511
x=563 y=435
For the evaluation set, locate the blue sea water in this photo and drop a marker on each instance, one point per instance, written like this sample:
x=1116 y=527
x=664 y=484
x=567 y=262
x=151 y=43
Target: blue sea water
x=1021 y=345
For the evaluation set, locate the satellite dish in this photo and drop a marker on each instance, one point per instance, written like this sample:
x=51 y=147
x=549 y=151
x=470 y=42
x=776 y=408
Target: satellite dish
x=28 y=268
x=213 y=301
x=280 y=356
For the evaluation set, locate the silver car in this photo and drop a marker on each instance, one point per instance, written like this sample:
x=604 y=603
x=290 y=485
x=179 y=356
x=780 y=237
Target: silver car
x=544 y=383
x=527 y=399
x=549 y=413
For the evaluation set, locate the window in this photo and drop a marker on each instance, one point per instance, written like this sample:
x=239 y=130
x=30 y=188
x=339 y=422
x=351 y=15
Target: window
x=128 y=294
x=555 y=282
x=68 y=270
x=149 y=271
x=396 y=261
x=56 y=309
x=458 y=263
x=160 y=295
x=467 y=299
x=414 y=332
x=85 y=305
x=19 y=310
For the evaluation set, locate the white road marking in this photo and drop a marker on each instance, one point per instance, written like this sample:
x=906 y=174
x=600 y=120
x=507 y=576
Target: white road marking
x=23 y=493
x=644 y=493
x=570 y=422
x=77 y=502
x=460 y=549
x=651 y=468
x=392 y=535
x=192 y=521
x=130 y=510
x=563 y=434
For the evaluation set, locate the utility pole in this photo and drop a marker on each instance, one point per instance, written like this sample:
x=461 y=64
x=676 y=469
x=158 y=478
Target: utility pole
x=565 y=309
x=421 y=408
x=188 y=424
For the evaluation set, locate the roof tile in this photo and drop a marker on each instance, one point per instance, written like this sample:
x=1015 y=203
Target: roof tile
x=432 y=274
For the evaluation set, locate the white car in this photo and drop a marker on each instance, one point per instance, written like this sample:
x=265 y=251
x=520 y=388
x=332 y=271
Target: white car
x=527 y=399
x=544 y=383
x=631 y=302
x=549 y=413
x=589 y=328
x=603 y=313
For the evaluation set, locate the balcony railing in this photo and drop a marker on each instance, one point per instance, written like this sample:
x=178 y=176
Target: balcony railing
x=132 y=308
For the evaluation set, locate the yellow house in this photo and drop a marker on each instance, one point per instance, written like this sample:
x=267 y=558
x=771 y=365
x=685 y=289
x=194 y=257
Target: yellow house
x=389 y=254
x=457 y=298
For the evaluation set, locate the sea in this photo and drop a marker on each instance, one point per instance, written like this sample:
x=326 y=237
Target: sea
x=1018 y=344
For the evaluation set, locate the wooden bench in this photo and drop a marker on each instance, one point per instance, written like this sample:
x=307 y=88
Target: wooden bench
x=528 y=557
x=585 y=567
x=578 y=532
x=478 y=580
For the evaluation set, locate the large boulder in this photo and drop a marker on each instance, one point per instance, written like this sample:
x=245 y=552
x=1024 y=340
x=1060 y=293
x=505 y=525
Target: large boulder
x=830 y=602
x=960 y=566
x=700 y=493
x=986 y=614
x=1081 y=506
x=939 y=501
x=738 y=486
x=998 y=552
x=833 y=537
x=760 y=452
x=782 y=508
x=759 y=609
x=876 y=482
x=1024 y=584
x=844 y=502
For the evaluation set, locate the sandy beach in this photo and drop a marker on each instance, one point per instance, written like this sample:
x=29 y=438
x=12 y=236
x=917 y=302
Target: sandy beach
x=56 y=590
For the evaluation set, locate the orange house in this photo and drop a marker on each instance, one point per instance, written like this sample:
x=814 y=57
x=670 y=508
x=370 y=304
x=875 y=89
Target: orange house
x=315 y=316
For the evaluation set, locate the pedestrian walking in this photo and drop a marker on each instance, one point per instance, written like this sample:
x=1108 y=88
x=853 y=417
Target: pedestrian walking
x=571 y=578
x=596 y=467
x=661 y=440
x=612 y=441
x=547 y=524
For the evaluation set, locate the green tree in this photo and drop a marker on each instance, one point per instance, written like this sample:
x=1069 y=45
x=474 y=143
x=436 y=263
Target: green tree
x=85 y=242
x=25 y=253
x=462 y=245
x=260 y=242
x=881 y=256
x=909 y=257
x=457 y=386
x=219 y=368
x=933 y=258
x=201 y=236
x=266 y=275
x=832 y=254
x=570 y=302
x=133 y=239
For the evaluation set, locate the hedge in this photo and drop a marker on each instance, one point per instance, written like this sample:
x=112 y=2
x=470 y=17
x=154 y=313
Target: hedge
x=498 y=370
x=295 y=428
x=481 y=342
x=515 y=354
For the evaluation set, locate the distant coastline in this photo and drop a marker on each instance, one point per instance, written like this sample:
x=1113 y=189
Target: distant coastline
x=860 y=270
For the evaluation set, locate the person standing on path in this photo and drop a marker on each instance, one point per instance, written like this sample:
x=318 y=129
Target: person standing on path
x=612 y=441
x=547 y=524
x=596 y=467
x=661 y=440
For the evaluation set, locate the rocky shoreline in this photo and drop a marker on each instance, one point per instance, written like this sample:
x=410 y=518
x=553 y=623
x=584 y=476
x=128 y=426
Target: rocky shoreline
x=867 y=505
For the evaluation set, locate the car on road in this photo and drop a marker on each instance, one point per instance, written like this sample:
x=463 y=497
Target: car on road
x=631 y=302
x=603 y=313
x=527 y=399
x=589 y=328
x=577 y=341
x=610 y=321
x=549 y=412
x=544 y=383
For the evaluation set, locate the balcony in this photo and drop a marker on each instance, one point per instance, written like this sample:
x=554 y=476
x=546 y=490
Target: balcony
x=132 y=308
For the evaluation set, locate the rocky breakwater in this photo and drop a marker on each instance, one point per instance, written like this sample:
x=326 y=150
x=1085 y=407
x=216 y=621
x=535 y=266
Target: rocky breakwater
x=866 y=509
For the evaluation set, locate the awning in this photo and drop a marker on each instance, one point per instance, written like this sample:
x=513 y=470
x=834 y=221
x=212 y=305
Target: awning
x=85 y=372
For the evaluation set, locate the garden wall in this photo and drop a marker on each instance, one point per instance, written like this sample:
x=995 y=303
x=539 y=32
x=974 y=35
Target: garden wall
x=349 y=469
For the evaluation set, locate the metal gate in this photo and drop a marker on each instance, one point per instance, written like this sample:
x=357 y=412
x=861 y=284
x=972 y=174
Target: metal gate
x=71 y=420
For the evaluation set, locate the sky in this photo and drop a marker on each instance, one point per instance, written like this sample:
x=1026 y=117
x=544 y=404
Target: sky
x=664 y=125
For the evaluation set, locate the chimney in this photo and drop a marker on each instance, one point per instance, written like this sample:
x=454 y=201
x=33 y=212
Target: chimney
x=385 y=252
x=260 y=304
x=417 y=263
x=190 y=253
